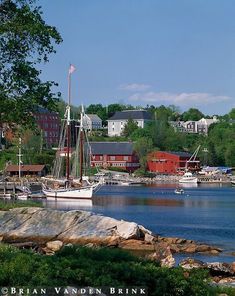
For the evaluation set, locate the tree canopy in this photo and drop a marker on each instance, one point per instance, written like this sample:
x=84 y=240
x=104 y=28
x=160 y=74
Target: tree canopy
x=25 y=41
x=192 y=114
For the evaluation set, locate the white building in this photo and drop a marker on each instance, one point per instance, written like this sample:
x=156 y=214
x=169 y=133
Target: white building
x=117 y=122
x=194 y=127
x=204 y=123
x=93 y=122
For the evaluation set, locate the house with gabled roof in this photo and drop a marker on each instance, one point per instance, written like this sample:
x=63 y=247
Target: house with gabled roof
x=114 y=154
x=93 y=121
x=117 y=122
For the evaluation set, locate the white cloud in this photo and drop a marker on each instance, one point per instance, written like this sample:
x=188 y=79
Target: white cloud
x=182 y=99
x=134 y=87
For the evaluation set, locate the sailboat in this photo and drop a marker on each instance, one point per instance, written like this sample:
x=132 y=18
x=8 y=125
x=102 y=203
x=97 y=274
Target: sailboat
x=71 y=188
x=188 y=177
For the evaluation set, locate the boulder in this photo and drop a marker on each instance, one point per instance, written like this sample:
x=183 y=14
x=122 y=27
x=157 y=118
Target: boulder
x=191 y=248
x=190 y=263
x=220 y=268
x=138 y=245
x=54 y=245
x=162 y=255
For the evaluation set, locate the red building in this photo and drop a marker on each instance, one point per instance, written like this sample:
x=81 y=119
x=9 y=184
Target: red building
x=165 y=162
x=27 y=170
x=49 y=123
x=114 y=154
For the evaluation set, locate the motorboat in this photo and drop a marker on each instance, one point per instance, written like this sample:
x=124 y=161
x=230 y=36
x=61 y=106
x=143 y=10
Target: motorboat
x=179 y=191
x=188 y=178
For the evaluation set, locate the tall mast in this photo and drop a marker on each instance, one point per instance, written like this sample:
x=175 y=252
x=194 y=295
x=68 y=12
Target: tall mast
x=81 y=143
x=71 y=70
x=19 y=158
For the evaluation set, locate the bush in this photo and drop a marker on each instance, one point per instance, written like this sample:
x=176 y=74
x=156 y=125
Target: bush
x=80 y=266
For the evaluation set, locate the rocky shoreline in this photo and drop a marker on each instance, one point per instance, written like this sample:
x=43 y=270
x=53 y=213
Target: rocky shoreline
x=80 y=227
x=46 y=231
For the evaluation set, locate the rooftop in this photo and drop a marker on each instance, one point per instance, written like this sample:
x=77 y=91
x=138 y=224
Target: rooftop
x=94 y=117
x=111 y=148
x=131 y=114
x=26 y=168
x=179 y=153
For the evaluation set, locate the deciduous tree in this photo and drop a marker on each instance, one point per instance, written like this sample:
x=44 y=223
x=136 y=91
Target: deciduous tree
x=25 y=41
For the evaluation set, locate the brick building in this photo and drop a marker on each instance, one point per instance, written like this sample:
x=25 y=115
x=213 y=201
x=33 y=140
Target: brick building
x=114 y=154
x=49 y=123
x=165 y=162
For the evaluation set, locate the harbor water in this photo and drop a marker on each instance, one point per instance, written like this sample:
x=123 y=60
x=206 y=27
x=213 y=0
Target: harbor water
x=205 y=213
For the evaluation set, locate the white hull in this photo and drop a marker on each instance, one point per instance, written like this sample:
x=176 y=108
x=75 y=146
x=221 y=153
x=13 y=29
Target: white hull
x=188 y=178
x=69 y=193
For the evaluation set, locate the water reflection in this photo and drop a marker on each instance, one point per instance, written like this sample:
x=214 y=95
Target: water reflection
x=69 y=204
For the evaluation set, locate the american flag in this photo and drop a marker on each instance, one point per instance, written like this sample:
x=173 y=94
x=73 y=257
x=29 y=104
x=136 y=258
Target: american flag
x=71 y=69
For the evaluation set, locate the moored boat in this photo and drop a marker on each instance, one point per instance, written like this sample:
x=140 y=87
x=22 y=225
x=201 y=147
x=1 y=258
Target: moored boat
x=70 y=186
x=188 y=178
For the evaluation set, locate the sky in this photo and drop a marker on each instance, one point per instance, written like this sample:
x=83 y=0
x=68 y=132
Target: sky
x=141 y=52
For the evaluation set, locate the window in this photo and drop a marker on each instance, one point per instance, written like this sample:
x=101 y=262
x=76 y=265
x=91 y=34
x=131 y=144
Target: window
x=125 y=158
x=112 y=157
x=101 y=157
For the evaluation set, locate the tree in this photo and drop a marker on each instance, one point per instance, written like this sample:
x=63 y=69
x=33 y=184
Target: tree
x=25 y=41
x=192 y=114
x=232 y=114
x=129 y=127
x=100 y=110
x=142 y=147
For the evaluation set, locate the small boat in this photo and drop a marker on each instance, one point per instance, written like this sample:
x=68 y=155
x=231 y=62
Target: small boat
x=179 y=191
x=188 y=178
x=233 y=182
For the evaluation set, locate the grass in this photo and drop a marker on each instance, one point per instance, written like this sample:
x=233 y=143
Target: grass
x=6 y=205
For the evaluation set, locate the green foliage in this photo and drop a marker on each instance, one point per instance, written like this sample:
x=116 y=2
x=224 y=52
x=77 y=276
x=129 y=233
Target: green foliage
x=25 y=41
x=221 y=144
x=232 y=114
x=80 y=266
x=5 y=205
x=7 y=156
x=130 y=127
x=192 y=114
x=142 y=147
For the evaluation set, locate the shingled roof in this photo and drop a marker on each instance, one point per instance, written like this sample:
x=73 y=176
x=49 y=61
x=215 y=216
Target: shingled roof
x=26 y=168
x=179 y=153
x=131 y=114
x=111 y=148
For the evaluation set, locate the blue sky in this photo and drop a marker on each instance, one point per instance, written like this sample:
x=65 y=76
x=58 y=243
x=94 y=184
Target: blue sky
x=143 y=52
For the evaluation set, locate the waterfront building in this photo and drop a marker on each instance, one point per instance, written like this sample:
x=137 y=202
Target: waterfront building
x=168 y=162
x=114 y=154
x=117 y=122
x=26 y=170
